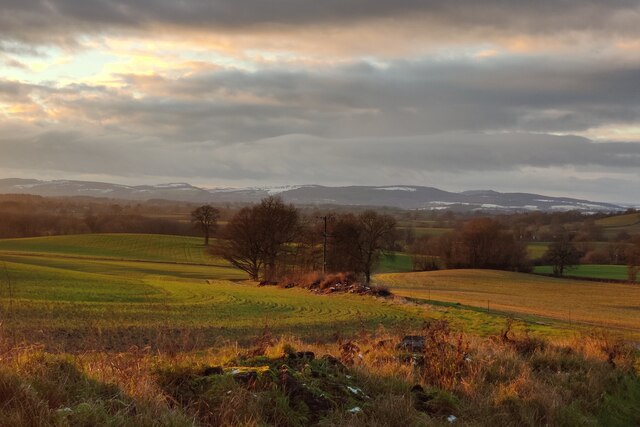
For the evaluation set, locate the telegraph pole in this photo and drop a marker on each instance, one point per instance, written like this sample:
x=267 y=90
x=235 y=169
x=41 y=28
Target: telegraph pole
x=325 y=235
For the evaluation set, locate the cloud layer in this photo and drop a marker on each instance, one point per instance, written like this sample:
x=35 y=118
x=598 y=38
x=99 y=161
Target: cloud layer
x=539 y=96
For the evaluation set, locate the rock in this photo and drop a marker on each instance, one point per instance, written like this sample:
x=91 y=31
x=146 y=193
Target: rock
x=212 y=370
x=413 y=343
x=421 y=399
x=296 y=390
x=248 y=378
x=302 y=355
x=333 y=362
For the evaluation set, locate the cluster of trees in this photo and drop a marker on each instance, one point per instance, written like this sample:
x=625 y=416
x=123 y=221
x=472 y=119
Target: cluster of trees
x=478 y=243
x=273 y=239
x=32 y=216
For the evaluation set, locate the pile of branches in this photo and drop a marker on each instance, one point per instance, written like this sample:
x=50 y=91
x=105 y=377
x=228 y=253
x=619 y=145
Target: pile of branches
x=331 y=283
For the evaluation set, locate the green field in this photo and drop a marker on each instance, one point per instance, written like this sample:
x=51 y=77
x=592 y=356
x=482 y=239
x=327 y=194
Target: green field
x=113 y=291
x=615 y=272
x=399 y=262
x=601 y=304
x=66 y=292
x=142 y=247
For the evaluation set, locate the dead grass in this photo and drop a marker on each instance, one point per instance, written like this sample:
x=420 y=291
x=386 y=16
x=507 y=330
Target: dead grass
x=610 y=305
x=508 y=379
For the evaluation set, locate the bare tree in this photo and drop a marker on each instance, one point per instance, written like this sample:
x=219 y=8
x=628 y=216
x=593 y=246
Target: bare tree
x=633 y=259
x=377 y=235
x=242 y=244
x=359 y=241
x=259 y=238
x=206 y=219
x=562 y=254
x=482 y=243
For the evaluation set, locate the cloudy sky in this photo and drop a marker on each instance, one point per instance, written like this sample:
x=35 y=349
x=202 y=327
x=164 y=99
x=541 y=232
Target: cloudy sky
x=539 y=96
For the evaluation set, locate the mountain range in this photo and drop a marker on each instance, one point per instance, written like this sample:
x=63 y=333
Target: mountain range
x=400 y=196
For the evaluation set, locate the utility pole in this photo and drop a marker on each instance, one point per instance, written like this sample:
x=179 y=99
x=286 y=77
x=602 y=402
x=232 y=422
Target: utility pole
x=325 y=235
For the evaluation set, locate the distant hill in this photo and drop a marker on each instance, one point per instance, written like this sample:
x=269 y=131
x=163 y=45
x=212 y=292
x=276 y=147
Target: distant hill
x=400 y=196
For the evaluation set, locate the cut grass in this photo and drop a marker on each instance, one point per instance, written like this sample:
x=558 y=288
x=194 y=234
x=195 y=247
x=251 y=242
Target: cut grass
x=590 y=271
x=590 y=303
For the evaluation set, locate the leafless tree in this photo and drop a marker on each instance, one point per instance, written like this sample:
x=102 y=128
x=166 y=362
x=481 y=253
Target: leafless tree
x=259 y=238
x=562 y=254
x=359 y=241
x=206 y=219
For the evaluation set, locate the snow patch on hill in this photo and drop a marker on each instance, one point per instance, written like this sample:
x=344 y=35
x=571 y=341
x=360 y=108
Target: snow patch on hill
x=396 y=188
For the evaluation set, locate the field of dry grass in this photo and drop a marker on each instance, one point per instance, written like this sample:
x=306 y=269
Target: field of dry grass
x=609 y=305
x=504 y=380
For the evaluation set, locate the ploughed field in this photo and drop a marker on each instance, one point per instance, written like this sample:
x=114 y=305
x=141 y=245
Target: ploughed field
x=607 y=305
x=114 y=291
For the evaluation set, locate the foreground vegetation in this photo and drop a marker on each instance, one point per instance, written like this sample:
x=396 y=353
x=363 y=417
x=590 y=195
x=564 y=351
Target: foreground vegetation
x=503 y=380
x=149 y=330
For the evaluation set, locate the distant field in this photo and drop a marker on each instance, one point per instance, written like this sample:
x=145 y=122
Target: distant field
x=604 y=304
x=616 y=272
x=620 y=220
x=614 y=225
x=537 y=250
x=143 y=247
x=399 y=262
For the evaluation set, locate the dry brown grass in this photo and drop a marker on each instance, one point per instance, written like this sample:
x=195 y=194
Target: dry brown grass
x=612 y=305
x=508 y=379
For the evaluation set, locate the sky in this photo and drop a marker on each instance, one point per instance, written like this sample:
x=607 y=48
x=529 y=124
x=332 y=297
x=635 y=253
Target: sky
x=528 y=96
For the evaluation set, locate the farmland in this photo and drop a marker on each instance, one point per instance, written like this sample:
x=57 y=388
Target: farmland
x=592 y=271
x=67 y=288
x=129 y=286
x=145 y=247
x=598 y=304
x=122 y=330
x=612 y=226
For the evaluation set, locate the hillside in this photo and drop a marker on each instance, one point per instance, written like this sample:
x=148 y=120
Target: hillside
x=400 y=196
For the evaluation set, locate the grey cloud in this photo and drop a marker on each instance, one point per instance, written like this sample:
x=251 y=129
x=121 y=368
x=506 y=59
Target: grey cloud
x=41 y=19
x=300 y=155
x=512 y=162
x=402 y=99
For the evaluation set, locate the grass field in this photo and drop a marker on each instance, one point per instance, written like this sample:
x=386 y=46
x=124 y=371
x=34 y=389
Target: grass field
x=615 y=272
x=143 y=247
x=601 y=304
x=537 y=250
x=69 y=291
x=427 y=231
x=612 y=226
x=129 y=330
x=398 y=262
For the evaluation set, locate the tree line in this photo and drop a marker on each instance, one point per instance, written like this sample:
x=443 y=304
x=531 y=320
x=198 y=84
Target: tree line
x=272 y=239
